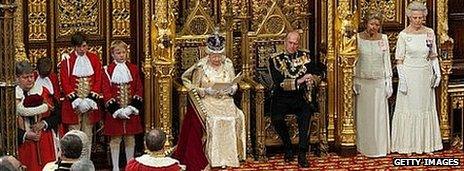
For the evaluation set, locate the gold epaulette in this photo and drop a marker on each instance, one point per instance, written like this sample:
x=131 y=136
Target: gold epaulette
x=276 y=54
x=305 y=50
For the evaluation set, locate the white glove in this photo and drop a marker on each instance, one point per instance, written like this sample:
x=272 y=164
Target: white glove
x=133 y=110
x=389 y=87
x=201 y=92
x=436 y=72
x=231 y=90
x=80 y=105
x=93 y=105
x=211 y=91
x=120 y=114
x=127 y=111
x=402 y=86
x=76 y=103
x=356 y=87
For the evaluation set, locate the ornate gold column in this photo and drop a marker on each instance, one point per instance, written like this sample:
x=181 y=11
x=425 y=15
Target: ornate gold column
x=346 y=25
x=8 y=144
x=148 y=68
x=446 y=54
x=20 y=51
x=163 y=36
x=331 y=71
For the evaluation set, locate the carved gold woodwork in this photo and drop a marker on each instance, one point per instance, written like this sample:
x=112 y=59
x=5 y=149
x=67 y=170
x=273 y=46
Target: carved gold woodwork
x=20 y=51
x=121 y=18
x=259 y=46
x=392 y=10
x=346 y=24
x=295 y=11
x=8 y=132
x=74 y=15
x=456 y=94
x=190 y=46
x=147 y=67
x=198 y=22
x=35 y=54
x=446 y=48
x=331 y=72
x=95 y=49
x=163 y=33
x=446 y=64
x=37 y=20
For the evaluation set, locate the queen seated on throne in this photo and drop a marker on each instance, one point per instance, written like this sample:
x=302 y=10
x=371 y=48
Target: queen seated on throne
x=213 y=130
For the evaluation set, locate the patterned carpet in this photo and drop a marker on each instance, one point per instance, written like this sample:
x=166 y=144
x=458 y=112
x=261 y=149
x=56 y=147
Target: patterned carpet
x=359 y=162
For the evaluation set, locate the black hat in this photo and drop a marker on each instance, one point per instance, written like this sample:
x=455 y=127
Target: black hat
x=215 y=43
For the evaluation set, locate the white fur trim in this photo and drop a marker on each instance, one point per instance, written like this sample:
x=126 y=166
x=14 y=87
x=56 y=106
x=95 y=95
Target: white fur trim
x=31 y=111
x=45 y=82
x=147 y=160
x=82 y=67
x=36 y=89
x=19 y=93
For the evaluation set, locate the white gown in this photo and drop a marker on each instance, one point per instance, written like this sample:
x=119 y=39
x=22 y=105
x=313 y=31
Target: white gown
x=415 y=127
x=225 y=122
x=372 y=118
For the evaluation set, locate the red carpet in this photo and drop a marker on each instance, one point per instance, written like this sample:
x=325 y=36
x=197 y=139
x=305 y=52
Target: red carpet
x=359 y=162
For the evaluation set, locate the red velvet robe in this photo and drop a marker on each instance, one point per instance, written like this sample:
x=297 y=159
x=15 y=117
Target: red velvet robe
x=116 y=126
x=190 y=147
x=55 y=83
x=148 y=163
x=69 y=81
x=36 y=154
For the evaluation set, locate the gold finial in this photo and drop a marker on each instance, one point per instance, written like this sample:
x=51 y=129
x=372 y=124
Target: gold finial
x=20 y=54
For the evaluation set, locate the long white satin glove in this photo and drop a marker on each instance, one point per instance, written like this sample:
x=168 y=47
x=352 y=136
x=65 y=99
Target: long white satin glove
x=120 y=114
x=93 y=105
x=389 y=87
x=436 y=72
x=76 y=103
x=402 y=86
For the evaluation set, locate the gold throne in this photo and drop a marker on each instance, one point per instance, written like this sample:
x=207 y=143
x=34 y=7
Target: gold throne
x=190 y=47
x=267 y=40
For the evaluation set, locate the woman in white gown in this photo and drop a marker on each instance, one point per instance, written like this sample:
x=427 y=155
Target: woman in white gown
x=415 y=127
x=373 y=86
x=224 y=123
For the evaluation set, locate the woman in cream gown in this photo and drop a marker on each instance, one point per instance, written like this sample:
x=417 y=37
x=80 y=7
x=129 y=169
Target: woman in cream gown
x=373 y=86
x=222 y=121
x=415 y=127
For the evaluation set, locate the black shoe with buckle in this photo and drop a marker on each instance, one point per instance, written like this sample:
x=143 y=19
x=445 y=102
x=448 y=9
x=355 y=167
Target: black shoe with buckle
x=303 y=161
x=288 y=157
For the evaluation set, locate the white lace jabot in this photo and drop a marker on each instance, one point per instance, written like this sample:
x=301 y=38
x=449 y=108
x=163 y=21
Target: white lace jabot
x=83 y=66
x=121 y=74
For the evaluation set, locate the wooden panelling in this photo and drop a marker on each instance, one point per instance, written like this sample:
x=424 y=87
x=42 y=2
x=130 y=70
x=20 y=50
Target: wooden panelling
x=50 y=25
x=456 y=31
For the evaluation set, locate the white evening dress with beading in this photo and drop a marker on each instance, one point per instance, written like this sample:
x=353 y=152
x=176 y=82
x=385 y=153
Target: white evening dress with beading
x=373 y=70
x=415 y=127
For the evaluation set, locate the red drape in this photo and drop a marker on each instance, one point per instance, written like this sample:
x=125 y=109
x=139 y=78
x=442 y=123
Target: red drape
x=190 y=148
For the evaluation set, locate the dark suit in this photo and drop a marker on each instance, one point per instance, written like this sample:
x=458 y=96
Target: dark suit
x=288 y=97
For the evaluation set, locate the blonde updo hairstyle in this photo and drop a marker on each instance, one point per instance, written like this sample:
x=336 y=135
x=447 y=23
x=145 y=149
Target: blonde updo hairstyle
x=416 y=6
